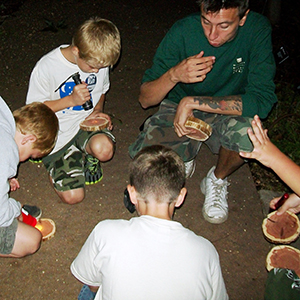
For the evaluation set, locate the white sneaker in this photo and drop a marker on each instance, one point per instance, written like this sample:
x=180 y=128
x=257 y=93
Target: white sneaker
x=215 y=207
x=190 y=167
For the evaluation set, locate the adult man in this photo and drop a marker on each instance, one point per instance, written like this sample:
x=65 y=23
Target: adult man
x=218 y=67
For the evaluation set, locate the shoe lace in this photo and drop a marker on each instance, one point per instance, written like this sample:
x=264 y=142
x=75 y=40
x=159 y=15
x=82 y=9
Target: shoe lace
x=218 y=194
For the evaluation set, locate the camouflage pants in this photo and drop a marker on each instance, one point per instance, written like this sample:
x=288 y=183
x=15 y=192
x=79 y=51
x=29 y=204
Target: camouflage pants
x=66 y=166
x=230 y=132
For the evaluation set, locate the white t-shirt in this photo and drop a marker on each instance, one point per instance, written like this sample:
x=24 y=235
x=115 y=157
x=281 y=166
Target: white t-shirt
x=48 y=74
x=9 y=160
x=149 y=258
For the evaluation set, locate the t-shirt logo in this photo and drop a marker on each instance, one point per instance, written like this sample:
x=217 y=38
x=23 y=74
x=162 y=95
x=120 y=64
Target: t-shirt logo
x=238 y=66
x=67 y=89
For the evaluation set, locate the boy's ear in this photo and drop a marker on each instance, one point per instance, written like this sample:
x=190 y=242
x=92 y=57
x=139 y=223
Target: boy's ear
x=28 y=138
x=75 y=51
x=132 y=194
x=181 y=197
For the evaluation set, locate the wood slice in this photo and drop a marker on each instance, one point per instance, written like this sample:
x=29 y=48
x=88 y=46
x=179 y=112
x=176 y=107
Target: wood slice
x=202 y=130
x=284 y=257
x=46 y=227
x=282 y=229
x=94 y=124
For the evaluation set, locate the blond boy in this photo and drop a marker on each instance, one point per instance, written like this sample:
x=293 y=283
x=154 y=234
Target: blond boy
x=75 y=160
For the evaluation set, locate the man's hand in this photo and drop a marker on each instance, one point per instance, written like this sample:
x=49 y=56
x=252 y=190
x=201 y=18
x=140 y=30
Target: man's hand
x=182 y=113
x=192 y=69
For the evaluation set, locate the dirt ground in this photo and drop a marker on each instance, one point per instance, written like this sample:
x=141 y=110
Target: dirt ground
x=24 y=38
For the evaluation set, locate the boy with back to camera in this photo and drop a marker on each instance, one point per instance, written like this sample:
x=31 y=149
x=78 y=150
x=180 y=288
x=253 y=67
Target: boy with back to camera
x=150 y=256
x=30 y=131
x=75 y=160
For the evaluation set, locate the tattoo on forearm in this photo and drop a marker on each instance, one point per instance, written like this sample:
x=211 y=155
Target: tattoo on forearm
x=227 y=103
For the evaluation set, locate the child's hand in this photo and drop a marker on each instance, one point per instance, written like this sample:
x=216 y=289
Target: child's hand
x=292 y=204
x=80 y=94
x=264 y=149
x=14 y=184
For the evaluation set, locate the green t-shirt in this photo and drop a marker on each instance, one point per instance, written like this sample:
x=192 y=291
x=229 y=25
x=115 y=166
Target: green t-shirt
x=244 y=66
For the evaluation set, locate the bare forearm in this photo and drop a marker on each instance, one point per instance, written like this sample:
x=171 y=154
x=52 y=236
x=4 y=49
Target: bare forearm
x=153 y=92
x=190 y=70
x=59 y=104
x=227 y=105
x=100 y=105
x=287 y=170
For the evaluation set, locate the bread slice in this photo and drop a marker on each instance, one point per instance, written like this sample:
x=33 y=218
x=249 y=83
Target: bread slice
x=46 y=227
x=282 y=229
x=285 y=257
x=94 y=124
x=202 y=130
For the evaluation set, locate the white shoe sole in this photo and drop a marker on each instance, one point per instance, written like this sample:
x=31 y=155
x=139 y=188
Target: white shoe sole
x=191 y=172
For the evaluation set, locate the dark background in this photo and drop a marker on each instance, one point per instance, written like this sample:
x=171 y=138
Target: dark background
x=28 y=30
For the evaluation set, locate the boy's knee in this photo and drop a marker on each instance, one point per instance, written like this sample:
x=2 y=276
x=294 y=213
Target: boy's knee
x=33 y=243
x=108 y=151
x=72 y=196
x=36 y=243
x=104 y=149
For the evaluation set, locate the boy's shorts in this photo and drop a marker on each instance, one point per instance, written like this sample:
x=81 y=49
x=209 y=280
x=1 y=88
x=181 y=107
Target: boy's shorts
x=229 y=132
x=66 y=166
x=7 y=237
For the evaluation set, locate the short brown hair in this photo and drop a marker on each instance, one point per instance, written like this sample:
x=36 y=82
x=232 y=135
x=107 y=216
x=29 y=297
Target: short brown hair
x=215 y=6
x=98 y=41
x=38 y=119
x=157 y=171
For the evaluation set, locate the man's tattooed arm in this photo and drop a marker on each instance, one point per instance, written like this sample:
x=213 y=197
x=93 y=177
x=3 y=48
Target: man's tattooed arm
x=222 y=105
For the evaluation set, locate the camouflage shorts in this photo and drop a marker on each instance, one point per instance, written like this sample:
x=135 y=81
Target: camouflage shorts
x=66 y=166
x=229 y=132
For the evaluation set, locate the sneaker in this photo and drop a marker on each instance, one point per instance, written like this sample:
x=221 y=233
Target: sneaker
x=32 y=210
x=215 y=207
x=189 y=168
x=92 y=170
x=35 y=160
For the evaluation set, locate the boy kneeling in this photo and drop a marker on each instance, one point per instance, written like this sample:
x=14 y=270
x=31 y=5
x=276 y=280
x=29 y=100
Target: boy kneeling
x=150 y=256
x=30 y=132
